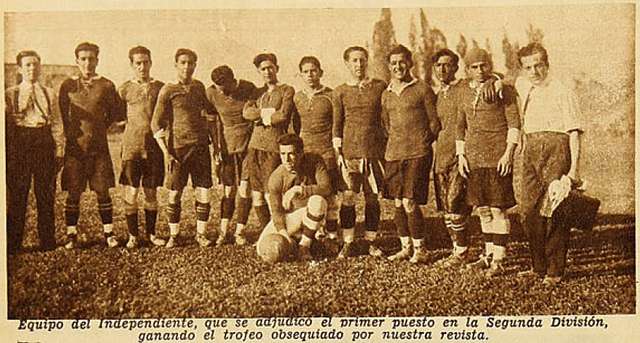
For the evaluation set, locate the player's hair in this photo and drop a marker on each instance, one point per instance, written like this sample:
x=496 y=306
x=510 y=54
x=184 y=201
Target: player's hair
x=532 y=49
x=188 y=52
x=221 y=74
x=349 y=50
x=264 y=57
x=87 y=46
x=291 y=139
x=139 y=50
x=445 y=52
x=26 y=53
x=309 y=59
x=400 y=49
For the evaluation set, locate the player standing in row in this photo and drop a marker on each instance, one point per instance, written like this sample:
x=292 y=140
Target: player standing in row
x=313 y=120
x=181 y=130
x=89 y=104
x=487 y=133
x=271 y=114
x=142 y=162
x=359 y=142
x=229 y=96
x=35 y=145
x=411 y=122
x=450 y=186
x=298 y=192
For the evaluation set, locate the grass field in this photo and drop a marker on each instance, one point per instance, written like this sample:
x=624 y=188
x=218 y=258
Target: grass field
x=96 y=282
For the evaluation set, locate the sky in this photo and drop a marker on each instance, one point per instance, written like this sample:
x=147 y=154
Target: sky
x=596 y=40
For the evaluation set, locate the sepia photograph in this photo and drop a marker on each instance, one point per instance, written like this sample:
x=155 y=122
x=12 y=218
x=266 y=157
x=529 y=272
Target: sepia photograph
x=320 y=162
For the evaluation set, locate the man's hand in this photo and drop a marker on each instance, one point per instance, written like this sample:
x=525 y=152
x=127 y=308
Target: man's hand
x=265 y=115
x=505 y=164
x=463 y=166
x=488 y=91
x=59 y=162
x=170 y=163
x=287 y=198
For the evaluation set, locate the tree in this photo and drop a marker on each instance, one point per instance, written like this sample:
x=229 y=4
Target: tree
x=510 y=51
x=383 y=40
x=461 y=47
x=534 y=34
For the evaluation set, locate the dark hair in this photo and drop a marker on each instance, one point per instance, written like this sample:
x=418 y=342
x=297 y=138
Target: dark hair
x=26 y=53
x=87 y=46
x=532 y=49
x=309 y=59
x=400 y=49
x=345 y=55
x=445 y=52
x=264 y=57
x=221 y=74
x=188 y=52
x=291 y=139
x=139 y=50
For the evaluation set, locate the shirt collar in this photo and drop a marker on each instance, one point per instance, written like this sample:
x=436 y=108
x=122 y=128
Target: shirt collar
x=311 y=92
x=361 y=83
x=399 y=88
x=444 y=87
x=151 y=79
x=27 y=86
x=93 y=78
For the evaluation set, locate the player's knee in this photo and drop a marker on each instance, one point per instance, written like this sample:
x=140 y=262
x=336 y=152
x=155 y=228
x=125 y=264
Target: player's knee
x=317 y=205
x=174 y=197
x=202 y=194
x=104 y=198
x=130 y=195
x=409 y=205
x=73 y=199
x=243 y=189
x=230 y=191
x=333 y=208
x=371 y=198
x=348 y=198
x=257 y=199
x=497 y=213
x=150 y=199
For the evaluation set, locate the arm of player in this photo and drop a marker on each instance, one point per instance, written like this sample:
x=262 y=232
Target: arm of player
x=461 y=129
x=57 y=129
x=338 y=122
x=509 y=99
x=282 y=115
x=275 y=201
x=432 y=114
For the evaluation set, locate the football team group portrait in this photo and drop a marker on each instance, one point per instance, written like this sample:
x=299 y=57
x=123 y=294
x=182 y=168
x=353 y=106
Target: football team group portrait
x=325 y=165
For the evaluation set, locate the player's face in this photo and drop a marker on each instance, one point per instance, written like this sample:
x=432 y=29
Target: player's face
x=185 y=65
x=399 y=66
x=87 y=62
x=141 y=65
x=535 y=68
x=479 y=71
x=289 y=157
x=311 y=74
x=269 y=72
x=357 y=64
x=30 y=68
x=445 y=69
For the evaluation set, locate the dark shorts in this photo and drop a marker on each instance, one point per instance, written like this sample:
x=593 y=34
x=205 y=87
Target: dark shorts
x=258 y=166
x=408 y=179
x=451 y=191
x=363 y=174
x=95 y=170
x=487 y=188
x=149 y=172
x=194 y=161
x=229 y=170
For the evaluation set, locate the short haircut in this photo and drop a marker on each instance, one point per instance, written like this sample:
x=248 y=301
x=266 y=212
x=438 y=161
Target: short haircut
x=139 y=50
x=400 y=49
x=291 y=139
x=87 y=46
x=264 y=57
x=309 y=59
x=222 y=74
x=188 y=52
x=351 y=49
x=26 y=53
x=445 y=52
x=532 y=49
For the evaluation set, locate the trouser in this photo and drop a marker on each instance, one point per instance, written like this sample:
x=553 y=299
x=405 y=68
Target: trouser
x=546 y=158
x=31 y=154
